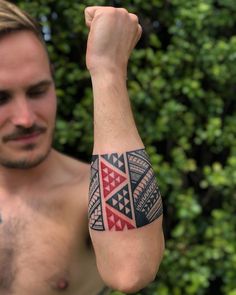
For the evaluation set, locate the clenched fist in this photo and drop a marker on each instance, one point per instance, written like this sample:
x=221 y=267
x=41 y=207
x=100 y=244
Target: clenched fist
x=113 y=34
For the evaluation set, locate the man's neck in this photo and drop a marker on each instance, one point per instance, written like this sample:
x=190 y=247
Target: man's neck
x=19 y=181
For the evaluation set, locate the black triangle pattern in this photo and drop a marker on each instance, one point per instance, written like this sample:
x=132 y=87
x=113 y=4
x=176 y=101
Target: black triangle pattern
x=95 y=206
x=95 y=219
x=121 y=202
x=138 y=165
x=115 y=160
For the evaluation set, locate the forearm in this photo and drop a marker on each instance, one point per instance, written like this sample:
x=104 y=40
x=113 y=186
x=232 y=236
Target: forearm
x=114 y=126
x=122 y=166
x=124 y=205
x=123 y=191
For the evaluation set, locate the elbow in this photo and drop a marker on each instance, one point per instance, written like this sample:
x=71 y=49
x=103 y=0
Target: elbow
x=134 y=271
x=133 y=280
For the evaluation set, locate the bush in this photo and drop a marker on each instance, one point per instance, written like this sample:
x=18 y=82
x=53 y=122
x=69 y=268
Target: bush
x=182 y=79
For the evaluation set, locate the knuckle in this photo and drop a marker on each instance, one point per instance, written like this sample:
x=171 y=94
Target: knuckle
x=134 y=17
x=111 y=11
x=122 y=10
x=140 y=31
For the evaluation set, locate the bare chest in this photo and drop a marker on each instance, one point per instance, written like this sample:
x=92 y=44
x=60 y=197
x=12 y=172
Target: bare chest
x=44 y=254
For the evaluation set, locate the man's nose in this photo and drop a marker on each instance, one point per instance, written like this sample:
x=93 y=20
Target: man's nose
x=23 y=114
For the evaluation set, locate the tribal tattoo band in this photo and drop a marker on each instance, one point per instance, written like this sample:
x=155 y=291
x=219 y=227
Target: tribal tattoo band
x=123 y=192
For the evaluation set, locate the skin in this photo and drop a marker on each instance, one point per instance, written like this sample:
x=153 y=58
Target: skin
x=43 y=200
x=27 y=101
x=44 y=228
x=113 y=35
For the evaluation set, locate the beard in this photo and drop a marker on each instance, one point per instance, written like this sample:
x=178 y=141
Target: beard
x=25 y=163
x=28 y=162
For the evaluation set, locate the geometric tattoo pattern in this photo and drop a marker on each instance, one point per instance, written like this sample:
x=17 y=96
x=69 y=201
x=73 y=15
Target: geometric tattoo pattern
x=123 y=192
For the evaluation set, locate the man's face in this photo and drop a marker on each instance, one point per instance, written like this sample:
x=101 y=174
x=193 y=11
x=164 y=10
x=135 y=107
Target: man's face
x=27 y=101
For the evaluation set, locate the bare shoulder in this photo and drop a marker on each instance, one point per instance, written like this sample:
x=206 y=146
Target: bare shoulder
x=74 y=175
x=73 y=169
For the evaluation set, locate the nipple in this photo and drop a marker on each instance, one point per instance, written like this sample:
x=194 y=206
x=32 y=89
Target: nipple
x=62 y=284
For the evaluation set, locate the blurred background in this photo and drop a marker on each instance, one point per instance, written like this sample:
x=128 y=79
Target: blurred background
x=182 y=84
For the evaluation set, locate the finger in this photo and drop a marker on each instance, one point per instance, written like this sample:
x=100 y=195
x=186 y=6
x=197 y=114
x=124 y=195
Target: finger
x=140 y=31
x=122 y=10
x=134 y=18
x=89 y=13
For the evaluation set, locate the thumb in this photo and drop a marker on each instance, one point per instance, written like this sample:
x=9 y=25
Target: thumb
x=89 y=13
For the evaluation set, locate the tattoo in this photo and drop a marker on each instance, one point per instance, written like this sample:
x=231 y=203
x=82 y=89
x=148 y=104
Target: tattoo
x=1 y=221
x=123 y=192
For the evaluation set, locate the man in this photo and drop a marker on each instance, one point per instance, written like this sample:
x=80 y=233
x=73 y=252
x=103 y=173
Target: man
x=44 y=194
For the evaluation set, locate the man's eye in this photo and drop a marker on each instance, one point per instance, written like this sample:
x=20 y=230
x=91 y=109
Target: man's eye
x=37 y=93
x=4 y=98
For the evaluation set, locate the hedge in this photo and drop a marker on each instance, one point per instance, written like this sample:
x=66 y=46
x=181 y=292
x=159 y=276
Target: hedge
x=182 y=84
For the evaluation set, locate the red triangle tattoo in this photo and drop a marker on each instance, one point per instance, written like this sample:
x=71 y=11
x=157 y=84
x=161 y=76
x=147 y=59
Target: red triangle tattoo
x=116 y=222
x=110 y=179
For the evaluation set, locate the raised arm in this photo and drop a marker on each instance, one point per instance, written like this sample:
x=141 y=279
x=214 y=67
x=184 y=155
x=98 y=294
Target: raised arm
x=125 y=209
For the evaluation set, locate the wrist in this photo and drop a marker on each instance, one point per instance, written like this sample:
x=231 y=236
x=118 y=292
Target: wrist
x=109 y=72
x=112 y=83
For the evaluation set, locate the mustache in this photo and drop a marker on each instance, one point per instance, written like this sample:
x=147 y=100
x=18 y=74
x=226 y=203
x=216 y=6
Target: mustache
x=21 y=131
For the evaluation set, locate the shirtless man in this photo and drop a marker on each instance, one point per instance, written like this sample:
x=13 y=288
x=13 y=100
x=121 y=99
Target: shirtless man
x=44 y=203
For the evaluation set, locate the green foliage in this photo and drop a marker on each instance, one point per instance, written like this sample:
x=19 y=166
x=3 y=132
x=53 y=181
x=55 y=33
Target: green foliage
x=182 y=78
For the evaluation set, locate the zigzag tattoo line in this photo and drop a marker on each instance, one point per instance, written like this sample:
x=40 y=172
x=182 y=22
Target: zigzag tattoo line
x=123 y=192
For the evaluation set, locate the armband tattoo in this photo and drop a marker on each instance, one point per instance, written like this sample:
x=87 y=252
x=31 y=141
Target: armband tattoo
x=123 y=192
